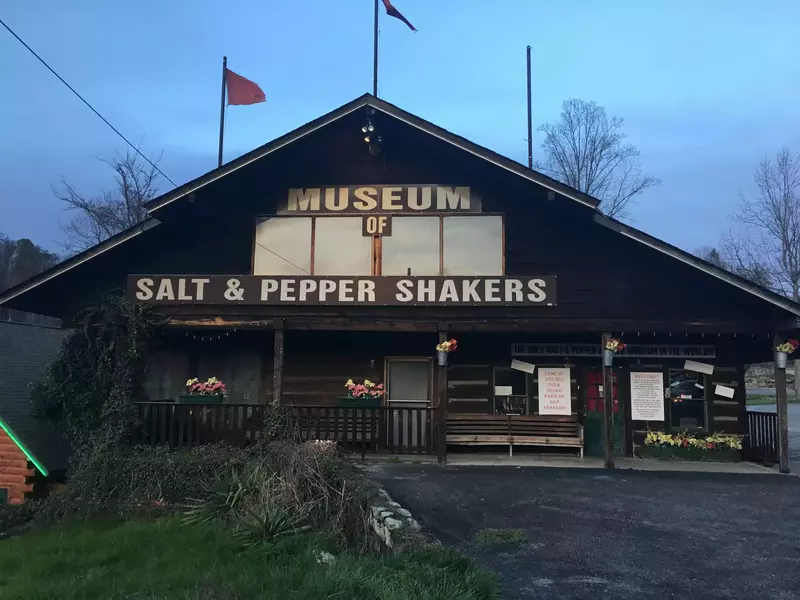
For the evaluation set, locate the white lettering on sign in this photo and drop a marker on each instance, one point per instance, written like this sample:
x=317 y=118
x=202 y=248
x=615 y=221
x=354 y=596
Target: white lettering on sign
x=145 y=285
x=382 y=198
x=404 y=293
x=555 y=391
x=366 y=199
x=452 y=199
x=304 y=200
x=647 y=396
x=298 y=290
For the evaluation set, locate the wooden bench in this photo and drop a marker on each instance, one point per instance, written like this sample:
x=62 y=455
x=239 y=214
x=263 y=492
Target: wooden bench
x=529 y=430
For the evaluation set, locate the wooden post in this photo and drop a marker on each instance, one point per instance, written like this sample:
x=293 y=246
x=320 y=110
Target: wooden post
x=277 y=369
x=608 y=409
x=783 y=416
x=441 y=409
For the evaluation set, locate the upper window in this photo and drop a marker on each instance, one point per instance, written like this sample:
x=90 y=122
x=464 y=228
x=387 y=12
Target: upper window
x=339 y=247
x=473 y=246
x=416 y=246
x=283 y=247
x=413 y=247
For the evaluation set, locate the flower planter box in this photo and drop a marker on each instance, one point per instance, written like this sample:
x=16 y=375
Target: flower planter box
x=359 y=402
x=696 y=454
x=200 y=399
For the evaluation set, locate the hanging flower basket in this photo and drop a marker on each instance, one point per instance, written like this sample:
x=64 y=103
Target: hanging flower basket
x=782 y=352
x=443 y=349
x=613 y=345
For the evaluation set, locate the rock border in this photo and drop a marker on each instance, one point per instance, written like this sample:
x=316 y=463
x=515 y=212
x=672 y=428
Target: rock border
x=392 y=523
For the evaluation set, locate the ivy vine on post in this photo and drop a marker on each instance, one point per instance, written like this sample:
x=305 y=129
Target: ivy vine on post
x=90 y=387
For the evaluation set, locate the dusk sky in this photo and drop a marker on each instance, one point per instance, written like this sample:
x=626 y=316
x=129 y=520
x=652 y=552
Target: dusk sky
x=706 y=88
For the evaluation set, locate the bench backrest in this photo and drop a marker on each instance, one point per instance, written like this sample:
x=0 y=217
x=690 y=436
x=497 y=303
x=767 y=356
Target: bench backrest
x=514 y=425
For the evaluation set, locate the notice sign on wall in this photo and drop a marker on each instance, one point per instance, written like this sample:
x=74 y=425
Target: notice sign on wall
x=555 y=393
x=647 y=396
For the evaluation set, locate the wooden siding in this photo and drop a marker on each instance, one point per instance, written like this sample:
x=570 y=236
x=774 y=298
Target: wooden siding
x=15 y=470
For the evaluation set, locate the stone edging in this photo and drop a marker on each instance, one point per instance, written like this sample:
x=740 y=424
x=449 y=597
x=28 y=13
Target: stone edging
x=391 y=522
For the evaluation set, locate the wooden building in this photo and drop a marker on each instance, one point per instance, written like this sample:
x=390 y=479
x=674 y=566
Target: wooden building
x=348 y=248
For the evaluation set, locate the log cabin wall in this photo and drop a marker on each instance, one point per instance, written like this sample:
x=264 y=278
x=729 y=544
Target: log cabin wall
x=16 y=473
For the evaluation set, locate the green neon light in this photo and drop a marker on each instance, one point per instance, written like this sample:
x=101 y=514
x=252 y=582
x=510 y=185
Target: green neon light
x=23 y=447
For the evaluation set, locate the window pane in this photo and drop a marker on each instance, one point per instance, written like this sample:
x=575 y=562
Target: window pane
x=687 y=400
x=414 y=244
x=339 y=247
x=473 y=246
x=283 y=247
x=408 y=381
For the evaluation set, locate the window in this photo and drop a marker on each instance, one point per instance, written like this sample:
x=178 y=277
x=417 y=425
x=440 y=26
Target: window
x=419 y=245
x=687 y=400
x=283 y=247
x=473 y=245
x=413 y=245
x=339 y=247
x=408 y=380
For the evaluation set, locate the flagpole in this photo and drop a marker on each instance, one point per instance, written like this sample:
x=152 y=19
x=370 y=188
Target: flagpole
x=375 y=56
x=530 y=115
x=222 y=107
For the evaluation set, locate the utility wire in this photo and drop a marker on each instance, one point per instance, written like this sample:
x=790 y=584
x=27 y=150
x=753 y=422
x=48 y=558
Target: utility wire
x=82 y=99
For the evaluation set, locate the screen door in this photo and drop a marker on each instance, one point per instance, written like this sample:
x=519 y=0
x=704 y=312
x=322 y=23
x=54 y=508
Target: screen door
x=409 y=385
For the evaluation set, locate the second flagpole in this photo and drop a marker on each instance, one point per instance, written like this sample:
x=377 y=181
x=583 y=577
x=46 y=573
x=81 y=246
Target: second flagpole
x=375 y=55
x=222 y=107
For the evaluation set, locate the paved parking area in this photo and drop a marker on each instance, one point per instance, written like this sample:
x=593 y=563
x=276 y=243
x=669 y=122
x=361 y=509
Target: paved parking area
x=625 y=534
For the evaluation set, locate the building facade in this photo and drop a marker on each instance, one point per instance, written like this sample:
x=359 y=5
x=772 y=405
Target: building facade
x=349 y=248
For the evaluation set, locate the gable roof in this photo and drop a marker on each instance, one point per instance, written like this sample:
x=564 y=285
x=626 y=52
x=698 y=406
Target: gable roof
x=368 y=100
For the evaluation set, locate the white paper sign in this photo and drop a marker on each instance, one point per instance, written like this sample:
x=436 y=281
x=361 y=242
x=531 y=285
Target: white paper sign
x=647 y=396
x=699 y=367
x=724 y=390
x=555 y=392
x=521 y=365
x=503 y=390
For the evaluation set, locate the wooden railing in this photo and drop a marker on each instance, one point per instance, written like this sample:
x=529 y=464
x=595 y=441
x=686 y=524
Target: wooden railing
x=761 y=439
x=187 y=425
x=363 y=430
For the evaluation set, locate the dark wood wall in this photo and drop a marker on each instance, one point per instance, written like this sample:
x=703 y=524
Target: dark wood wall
x=602 y=275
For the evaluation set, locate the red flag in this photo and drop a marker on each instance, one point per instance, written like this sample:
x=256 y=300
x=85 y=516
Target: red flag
x=393 y=12
x=241 y=90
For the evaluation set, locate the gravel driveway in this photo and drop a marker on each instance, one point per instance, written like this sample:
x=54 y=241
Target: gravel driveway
x=625 y=534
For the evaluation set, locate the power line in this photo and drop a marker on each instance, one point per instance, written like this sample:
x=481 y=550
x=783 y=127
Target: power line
x=82 y=99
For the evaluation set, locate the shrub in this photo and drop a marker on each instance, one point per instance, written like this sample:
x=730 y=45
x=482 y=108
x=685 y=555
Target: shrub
x=14 y=516
x=288 y=489
x=501 y=537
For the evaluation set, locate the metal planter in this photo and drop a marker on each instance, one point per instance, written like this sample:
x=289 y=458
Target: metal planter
x=780 y=359
x=608 y=358
x=441 y=358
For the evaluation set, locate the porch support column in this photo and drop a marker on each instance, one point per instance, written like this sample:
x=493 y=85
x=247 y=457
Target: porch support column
x=608 y=408
x=783 y=415
x=277 y=367
x=441 y=408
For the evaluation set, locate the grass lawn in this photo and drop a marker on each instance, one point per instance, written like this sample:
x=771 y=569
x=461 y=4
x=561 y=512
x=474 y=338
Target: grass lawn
x=163 y=560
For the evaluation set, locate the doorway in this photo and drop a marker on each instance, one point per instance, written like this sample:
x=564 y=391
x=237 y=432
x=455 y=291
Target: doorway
x=595 y=412
x=409 y=389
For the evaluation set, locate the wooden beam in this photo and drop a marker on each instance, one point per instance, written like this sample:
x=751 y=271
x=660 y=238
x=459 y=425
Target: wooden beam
x=441 y=409
x=277 y=370
x=608 y=406
x=783 y=415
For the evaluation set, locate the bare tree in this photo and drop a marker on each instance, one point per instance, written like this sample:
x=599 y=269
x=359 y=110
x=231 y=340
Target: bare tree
x=768 y=238
x=97 y=218
x=585 y=149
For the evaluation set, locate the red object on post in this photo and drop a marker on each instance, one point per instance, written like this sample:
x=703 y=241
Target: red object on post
x=241 y=90
x=393 y=12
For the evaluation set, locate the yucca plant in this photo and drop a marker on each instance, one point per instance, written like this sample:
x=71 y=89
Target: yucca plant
x=267 y=522
x=224 y=497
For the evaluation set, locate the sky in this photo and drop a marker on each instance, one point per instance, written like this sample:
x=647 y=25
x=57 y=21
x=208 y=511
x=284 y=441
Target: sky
x=707 y=89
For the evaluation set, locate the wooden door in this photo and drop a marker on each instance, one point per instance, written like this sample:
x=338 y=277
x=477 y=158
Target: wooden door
x=409 y=385
x=595 y=413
